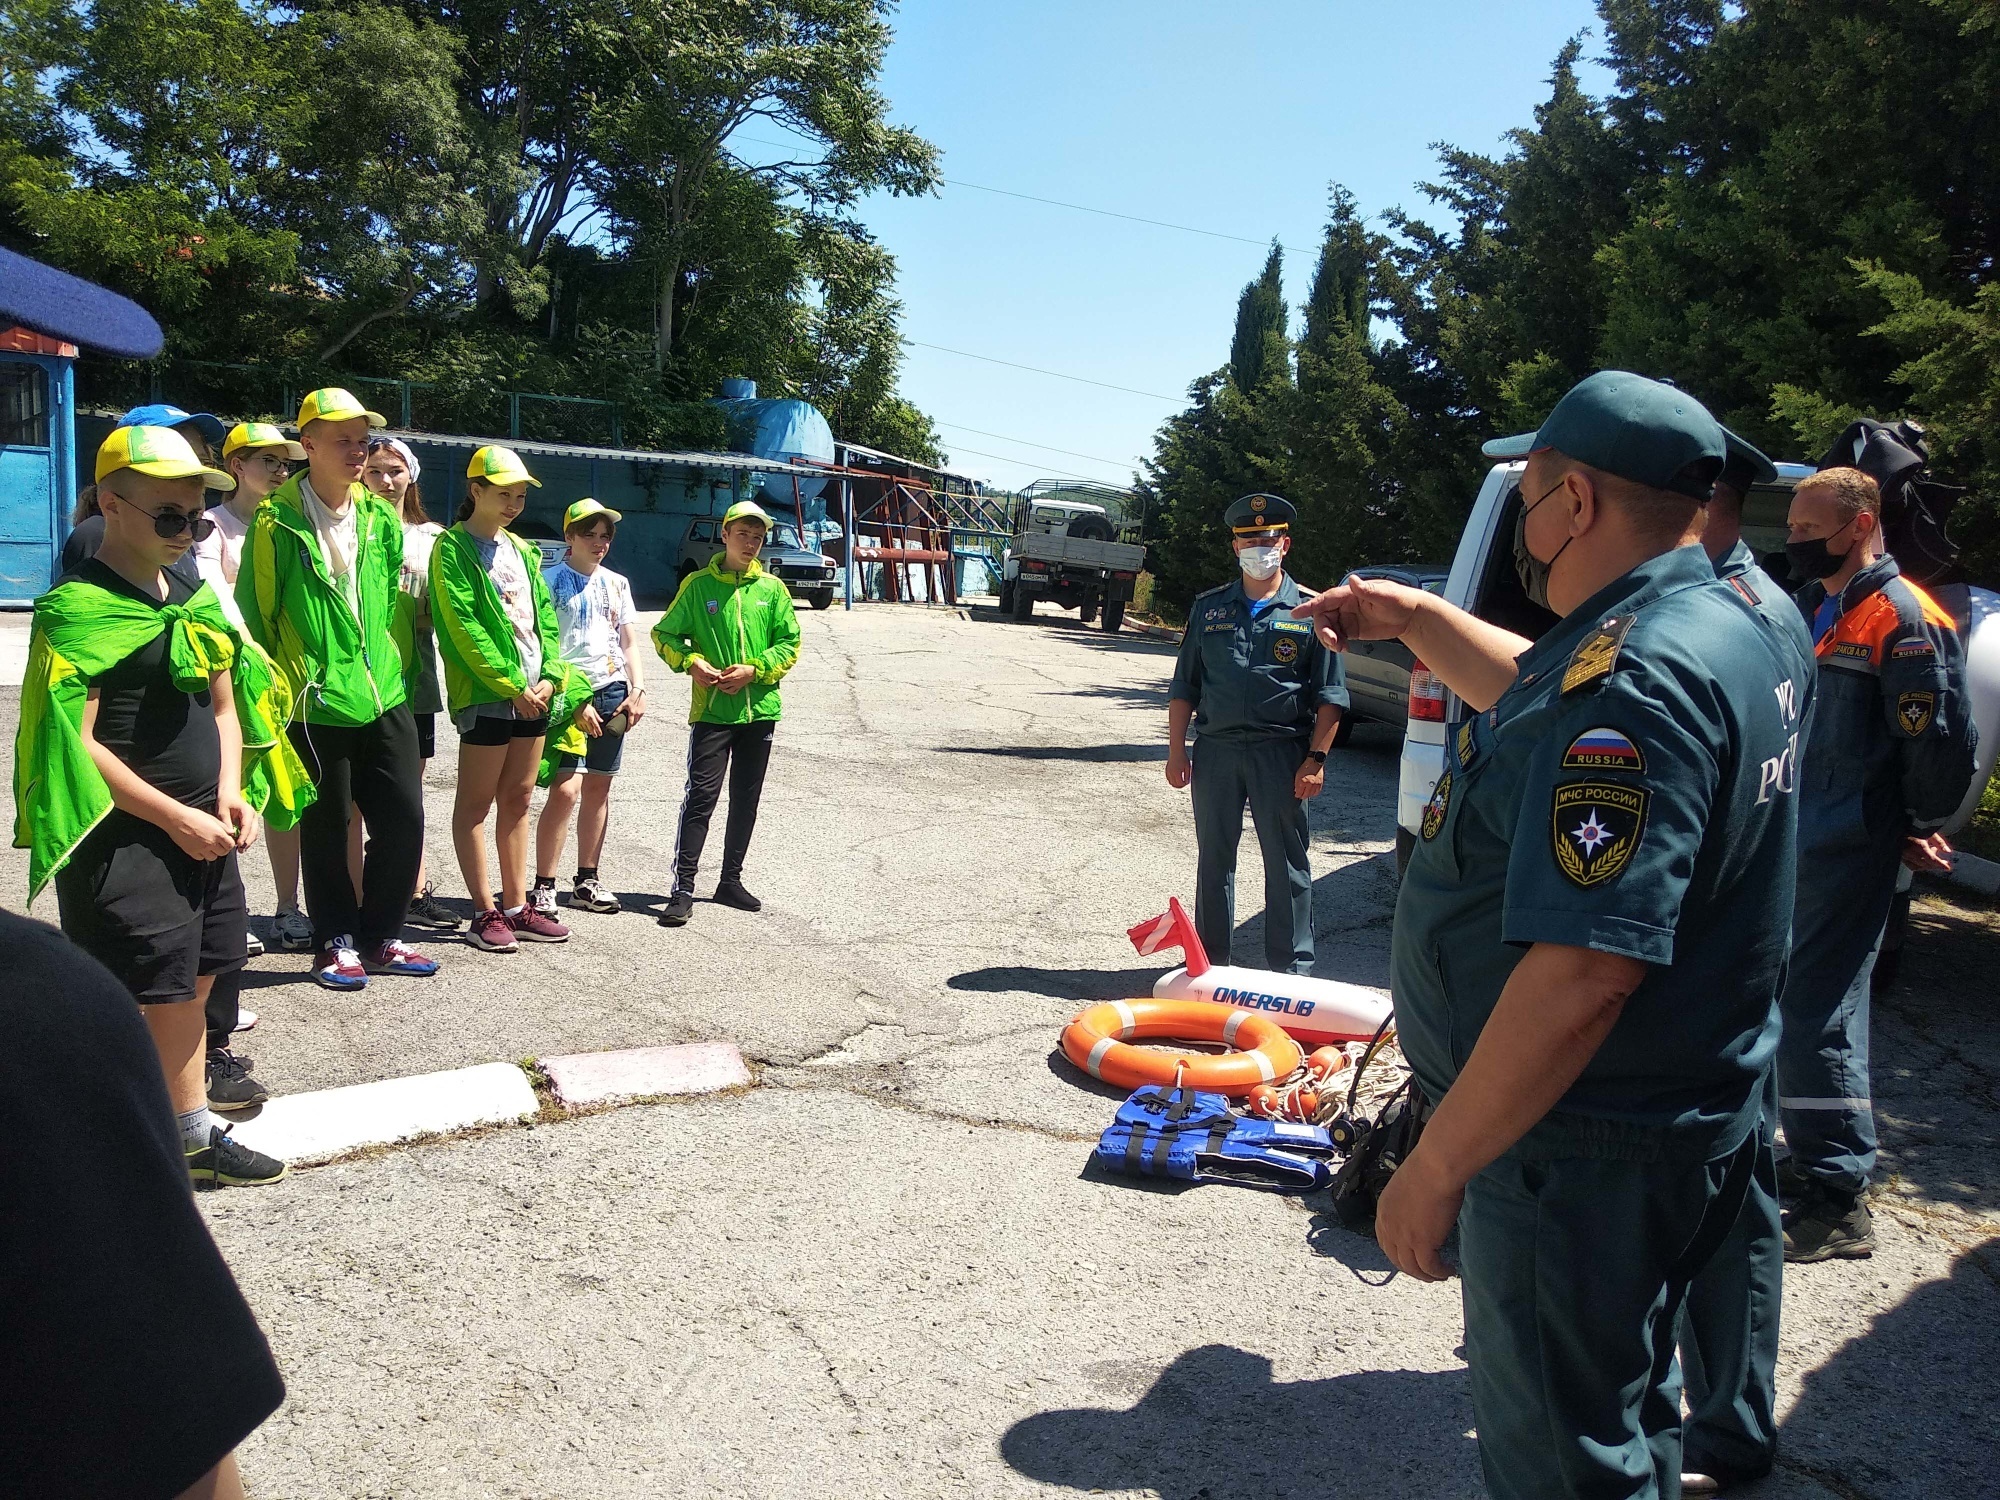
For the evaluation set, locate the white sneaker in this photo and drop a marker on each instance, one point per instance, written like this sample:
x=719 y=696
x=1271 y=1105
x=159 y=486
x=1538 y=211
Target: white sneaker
x=245 y=1019
x=543 y=900
x=255 y=945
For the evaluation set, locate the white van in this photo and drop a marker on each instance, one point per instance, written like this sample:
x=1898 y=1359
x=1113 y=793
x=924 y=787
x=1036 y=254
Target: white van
x=1483 y=581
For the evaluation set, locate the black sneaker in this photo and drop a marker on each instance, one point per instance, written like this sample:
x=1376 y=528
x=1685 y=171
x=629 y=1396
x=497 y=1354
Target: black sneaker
x=427 y=911
x=227 y=1163
x=230 y=1085
x=680 y=906
x=1825 y=1225
x=731 y=893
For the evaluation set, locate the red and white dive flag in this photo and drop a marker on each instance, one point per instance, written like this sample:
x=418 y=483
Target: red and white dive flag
x=1172 y=929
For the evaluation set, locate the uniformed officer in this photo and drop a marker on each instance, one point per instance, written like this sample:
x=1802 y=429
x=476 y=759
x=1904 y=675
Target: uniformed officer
x=1589 y=941
x=1891 y=756
x=1729 y=1332
x=1265 y=698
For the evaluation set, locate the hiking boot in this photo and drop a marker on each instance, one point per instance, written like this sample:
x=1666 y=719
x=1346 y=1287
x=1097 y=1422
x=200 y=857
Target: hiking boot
x=542 y=901
x=338 y=966
x=492 y=931
x=230 y=1085
x=592 y=894
x=228 y=1163
x=293 y=932
x=254 y=945
x=427 y=911
x=1828 y=1225
x=680 y=906
x=396 y=957
x=530 y=926
x=731 y=893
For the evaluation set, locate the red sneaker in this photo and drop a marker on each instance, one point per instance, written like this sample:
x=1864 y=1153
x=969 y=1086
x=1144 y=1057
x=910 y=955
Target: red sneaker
x=338 y=966
x=492 y=931
x=530 y=926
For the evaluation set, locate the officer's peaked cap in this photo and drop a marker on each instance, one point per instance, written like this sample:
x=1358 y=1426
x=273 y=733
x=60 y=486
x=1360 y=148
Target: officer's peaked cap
x=1643 y=430
x=1260 y=513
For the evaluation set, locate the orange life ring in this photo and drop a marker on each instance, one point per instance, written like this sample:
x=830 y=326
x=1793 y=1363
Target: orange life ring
x=1096 y=1042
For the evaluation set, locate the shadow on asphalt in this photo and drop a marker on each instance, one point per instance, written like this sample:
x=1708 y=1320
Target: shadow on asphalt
x=1059 y=984
x=1104 y=754
x=1214 y=1425
x=1908 y=1408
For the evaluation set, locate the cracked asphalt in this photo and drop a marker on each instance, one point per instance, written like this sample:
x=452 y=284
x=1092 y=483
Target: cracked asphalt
x=885 y=1271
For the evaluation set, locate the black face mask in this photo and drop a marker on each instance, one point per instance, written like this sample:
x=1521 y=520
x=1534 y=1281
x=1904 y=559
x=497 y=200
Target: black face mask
x=1534 y=573
x=1812 y=558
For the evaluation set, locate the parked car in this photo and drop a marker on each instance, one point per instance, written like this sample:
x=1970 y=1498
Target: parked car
x=1483 y=581
x=807 y=574
x=1379 y=672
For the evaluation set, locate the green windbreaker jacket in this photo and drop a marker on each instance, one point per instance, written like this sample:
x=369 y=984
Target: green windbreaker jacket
x=476 y=639
x=346 y=670
x=727 y=620
x=81 y=631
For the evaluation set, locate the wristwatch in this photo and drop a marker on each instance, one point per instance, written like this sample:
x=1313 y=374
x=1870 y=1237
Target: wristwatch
x=1318 y=755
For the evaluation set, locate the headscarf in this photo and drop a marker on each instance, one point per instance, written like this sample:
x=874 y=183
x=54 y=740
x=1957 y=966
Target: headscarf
x=402 y=450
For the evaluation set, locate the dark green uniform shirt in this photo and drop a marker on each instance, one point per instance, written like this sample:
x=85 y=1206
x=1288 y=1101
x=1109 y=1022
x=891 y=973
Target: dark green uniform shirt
x=1254 y=678
x=1628 y=793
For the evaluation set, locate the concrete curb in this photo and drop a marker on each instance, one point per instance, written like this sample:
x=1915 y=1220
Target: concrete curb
x=593 y=1078
x=307 y=1129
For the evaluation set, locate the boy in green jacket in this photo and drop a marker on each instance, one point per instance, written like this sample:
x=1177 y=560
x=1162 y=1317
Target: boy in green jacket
x=731 y=628
x=318 y=587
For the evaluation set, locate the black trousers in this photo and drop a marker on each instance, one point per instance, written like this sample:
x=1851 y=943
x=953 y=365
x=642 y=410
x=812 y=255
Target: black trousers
x=744 y=750
x=224 y=1007
x=374 y=767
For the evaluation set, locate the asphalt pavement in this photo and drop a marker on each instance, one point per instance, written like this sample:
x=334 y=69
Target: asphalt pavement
x=884 y=1269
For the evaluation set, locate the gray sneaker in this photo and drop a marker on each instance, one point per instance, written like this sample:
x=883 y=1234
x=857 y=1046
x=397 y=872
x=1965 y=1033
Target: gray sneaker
x=1824 y=1225
x=293 y=930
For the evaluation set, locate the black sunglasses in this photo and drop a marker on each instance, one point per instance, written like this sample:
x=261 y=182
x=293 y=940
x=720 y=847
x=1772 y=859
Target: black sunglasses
x=171 y=523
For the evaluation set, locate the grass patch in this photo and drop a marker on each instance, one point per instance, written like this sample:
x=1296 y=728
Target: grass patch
x=1982 y=835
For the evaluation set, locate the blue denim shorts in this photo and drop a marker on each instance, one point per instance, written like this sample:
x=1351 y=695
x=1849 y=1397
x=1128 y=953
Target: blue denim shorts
x=603 y=754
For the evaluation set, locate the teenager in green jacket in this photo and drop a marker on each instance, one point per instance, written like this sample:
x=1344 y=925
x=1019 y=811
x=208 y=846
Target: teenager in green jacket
x=732 y=629
x=508 y=689
x=317 y=587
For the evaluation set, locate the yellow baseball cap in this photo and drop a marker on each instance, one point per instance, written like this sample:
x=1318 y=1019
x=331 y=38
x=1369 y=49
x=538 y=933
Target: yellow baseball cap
x=497 y=465
x=158 y=451
x=584 y=509
x=260 y=435
x=747 y=510
x=332 y=404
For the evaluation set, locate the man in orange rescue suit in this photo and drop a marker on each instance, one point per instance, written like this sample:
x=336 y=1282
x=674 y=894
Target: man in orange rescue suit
x=1890 y=757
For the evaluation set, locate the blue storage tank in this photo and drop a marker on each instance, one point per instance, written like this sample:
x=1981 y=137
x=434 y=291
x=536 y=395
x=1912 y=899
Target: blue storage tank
x=787 y=430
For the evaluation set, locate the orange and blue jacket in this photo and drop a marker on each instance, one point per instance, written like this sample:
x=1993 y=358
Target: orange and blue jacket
x=1892 y=741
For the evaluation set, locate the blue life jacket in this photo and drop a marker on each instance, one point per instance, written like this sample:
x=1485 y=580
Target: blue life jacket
x=1165 y=1132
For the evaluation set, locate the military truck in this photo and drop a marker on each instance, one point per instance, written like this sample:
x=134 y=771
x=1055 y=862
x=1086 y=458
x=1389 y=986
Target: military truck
x=1068 y=552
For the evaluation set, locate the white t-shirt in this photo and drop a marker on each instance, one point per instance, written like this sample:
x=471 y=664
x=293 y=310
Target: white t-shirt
x=590 y=610
x=218 y=557
x=510 y=580
x=339 y=542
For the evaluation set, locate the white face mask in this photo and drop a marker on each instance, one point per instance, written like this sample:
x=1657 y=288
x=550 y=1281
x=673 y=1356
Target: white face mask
x=1260 y=562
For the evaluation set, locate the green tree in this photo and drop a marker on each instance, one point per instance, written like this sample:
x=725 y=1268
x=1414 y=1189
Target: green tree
x=1258 y=350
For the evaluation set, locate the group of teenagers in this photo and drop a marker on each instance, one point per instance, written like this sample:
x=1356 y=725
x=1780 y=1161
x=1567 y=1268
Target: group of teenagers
x=202 y=674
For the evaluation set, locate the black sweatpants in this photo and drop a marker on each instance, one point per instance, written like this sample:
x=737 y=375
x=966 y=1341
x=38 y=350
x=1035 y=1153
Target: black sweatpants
x=744 y=750
x=374 y=767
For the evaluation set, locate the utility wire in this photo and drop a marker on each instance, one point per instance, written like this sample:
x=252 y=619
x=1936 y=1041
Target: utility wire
x=1034 y=467
x=1084 y=208
x=1116 y=463
x=1038 y=370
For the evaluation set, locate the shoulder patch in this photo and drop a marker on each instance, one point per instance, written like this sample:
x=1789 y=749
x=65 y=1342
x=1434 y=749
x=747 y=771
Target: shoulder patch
x=1742 y=586
x=1595 y=827
x=1465 y=743
x=1598 y=654
x=1914 y=712
x=1860 y=650
x=1912 y=648
x=1603 y=749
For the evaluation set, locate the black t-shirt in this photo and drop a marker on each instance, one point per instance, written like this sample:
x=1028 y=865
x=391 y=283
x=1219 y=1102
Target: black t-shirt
x=132 y=1365
x=164 y=734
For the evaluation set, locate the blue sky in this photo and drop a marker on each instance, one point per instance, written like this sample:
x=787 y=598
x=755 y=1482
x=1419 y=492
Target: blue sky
x=1232 y=118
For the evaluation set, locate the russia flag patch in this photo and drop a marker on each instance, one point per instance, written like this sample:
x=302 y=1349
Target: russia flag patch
x=1603 y=750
